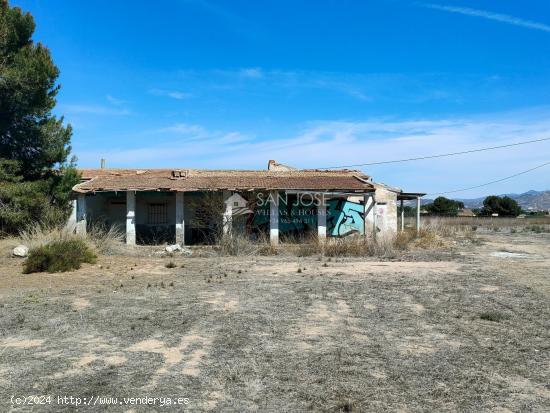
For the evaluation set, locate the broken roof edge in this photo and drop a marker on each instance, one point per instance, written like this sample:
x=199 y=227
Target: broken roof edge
x=144 y=171
x=79 y=190
x=277 y=177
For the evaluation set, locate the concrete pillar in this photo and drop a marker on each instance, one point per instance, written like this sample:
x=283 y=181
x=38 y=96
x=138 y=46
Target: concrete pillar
x=374 y=228
x=368 y=214
x=402 y=217
x=81 y=214
x=227 y=214
x=180 y=219
x=417 y=214
x=322 y=220
x=130 y=218
x=71 y=222
x=274 y=218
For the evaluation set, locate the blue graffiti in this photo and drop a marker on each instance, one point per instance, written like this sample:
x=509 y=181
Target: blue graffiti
x=345 y=217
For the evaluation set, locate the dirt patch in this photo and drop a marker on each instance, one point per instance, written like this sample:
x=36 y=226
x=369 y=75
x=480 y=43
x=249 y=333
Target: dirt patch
x=81 y=303
x=23 y=343
x=188 y=352
x=345 y=334
x=507 y=254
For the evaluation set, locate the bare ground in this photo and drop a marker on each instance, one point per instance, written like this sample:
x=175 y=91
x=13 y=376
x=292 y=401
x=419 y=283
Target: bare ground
x=464 y=329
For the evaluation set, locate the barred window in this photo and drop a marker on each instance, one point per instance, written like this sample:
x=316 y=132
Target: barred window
x=157 y=214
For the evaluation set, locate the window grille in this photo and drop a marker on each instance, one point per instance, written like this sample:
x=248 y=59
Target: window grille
x=157 y=214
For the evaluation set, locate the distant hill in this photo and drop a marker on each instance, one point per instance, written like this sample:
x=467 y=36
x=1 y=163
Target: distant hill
x=529 y=201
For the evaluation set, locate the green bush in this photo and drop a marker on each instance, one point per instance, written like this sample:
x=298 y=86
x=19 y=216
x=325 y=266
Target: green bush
x=59 y=256
x=26 y=203
x=494 y=316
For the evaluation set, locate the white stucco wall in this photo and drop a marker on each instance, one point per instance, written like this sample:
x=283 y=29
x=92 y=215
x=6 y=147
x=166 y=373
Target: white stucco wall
x=386 y=211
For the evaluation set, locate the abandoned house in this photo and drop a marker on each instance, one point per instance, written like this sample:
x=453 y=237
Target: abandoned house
x=188 y=206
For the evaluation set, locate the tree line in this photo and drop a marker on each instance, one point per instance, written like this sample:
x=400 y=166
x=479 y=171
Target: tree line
x=502 y=206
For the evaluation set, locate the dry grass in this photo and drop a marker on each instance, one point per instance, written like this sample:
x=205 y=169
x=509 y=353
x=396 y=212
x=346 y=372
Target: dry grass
x=109 y=241
x=469 y=334
x=432 y=237
x=480 y=222
x=359 y=247
x=241 y=245
x=105 y=241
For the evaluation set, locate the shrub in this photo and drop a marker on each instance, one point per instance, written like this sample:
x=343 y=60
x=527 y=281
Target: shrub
x=26 y=203
x=494 y=316
x=537 y=229
x=59 y=256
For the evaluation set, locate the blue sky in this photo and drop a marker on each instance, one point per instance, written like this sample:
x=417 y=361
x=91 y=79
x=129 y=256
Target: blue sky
x=231 y=84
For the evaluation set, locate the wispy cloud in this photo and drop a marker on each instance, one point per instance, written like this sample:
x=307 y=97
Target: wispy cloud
x=334 y=143
x=186 y=132
x=115 y=101
x=92 y=109
x=252 y=73
x=503 y=18
x=364 y=88
x=116 y=107
x=233 y=21
x=174 y=94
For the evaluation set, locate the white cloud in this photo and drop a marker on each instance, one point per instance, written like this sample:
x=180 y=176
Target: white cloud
x=115 y=101
x=335 y=143
x=174 y=94
x=92 y=109
x=503 y=18
x=186 y=132
x=185 y=129
x=252 y=73
x=364 y=87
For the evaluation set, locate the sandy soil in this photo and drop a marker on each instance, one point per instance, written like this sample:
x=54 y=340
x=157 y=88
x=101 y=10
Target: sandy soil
x=467 y=328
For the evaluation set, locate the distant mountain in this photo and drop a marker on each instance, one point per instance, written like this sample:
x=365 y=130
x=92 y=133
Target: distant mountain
x=529 y=201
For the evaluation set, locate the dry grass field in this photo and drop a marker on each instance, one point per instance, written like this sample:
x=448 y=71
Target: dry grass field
x=462 y=328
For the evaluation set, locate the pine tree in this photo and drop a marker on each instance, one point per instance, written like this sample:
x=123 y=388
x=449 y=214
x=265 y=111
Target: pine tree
x=35 y=171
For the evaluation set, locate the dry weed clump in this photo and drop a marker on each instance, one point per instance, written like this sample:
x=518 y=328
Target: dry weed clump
x=106 y=240
x=101 y=239
x=359 y=247
x=238 y=244
x=403 y=239
x=429 y=239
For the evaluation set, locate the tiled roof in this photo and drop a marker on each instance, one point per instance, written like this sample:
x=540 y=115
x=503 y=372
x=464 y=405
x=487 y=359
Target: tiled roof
x=100 y=180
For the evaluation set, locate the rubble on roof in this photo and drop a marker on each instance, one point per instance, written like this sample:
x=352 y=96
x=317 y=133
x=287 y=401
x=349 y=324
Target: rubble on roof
x=187 y=180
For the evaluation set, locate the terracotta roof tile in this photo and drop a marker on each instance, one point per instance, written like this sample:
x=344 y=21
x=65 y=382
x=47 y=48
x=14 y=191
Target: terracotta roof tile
x=97 y=180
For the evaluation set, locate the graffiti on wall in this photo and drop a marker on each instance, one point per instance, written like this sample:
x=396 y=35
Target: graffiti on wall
x=345 y=217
